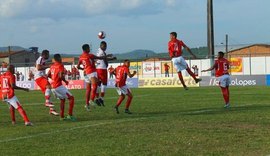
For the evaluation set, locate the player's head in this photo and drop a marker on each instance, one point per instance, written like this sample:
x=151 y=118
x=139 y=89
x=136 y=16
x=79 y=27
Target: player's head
x=45 y=54
x=11 y=68
x=103 y=45
x=86 y=48
x=127 y=63
x=220 y=54
x=57 y=58
x=173 y=35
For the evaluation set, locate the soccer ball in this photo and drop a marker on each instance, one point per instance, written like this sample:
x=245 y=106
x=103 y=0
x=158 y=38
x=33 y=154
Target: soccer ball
x=101 y=35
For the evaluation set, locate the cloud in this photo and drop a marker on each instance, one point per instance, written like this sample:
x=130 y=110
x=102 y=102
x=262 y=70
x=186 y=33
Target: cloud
x=57 y=9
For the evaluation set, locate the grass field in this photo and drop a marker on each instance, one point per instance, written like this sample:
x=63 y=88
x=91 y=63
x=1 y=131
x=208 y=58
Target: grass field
x=164 y=122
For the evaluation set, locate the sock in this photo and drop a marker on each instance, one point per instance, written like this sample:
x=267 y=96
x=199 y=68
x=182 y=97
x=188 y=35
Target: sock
x=22 y=113
x=71 y=105
x=62 y=108
x=87 y=94
x=225 y=93
x=12 y=113
x=228 y=93
x=181 y=79
x=97 y=92
x=47 y=95
x=120 y=100
x=103 y=88
x=191 y=73
x=93 y=92
x=129 y=101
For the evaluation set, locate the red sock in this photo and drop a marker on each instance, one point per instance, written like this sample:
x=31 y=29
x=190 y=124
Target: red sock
x=128 y=101
x=12 y=113
x=191 y=73
x=102 y=94
x=181 y=79
x=71 y=105
x=97 y=95
x=225 y=93
x=62 y=108
x=23 y=114
x=87 y=94
x=93 y=92
x=47 y=98
x=120 y=100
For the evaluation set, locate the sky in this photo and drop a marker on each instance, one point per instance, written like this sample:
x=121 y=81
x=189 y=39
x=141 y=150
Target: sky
x=62 y=26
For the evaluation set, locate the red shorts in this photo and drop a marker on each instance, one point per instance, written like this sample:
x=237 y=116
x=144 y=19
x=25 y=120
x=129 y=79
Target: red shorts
x=102 y=75
x=42 y=82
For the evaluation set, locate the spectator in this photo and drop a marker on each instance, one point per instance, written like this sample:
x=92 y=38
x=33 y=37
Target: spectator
x=21 y=77
x=196 y=70
x=166 y=68
x=73 y=72
x=69 y=74
x=111 y=70
x=31 y=76
x=4 y=66
x=17 y=76
x=77 y=75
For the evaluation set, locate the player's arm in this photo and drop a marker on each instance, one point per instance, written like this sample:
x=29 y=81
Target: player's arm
x=210 y=69
x=13 y=85
x=188 y=49
x=62 y=77
x=79 y=65
x=103 y=57
x=42 y=67
x=131 y=75
x=49 y=74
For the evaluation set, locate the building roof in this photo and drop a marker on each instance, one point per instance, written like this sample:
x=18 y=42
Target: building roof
x=263 y=45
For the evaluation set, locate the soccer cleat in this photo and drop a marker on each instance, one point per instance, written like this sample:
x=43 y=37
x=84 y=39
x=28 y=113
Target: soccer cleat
x=13 y=123
x=116 y=109
x=71 y=118
x=49 y=104
x=87 y=107
x=53 y=112
x=92 y=103
x=127 y=111
x=98 y=102
x=101 y=102
x=198 y=80
x=62 y=119
x=227 y=105
x=185 y=87
x=28 y=124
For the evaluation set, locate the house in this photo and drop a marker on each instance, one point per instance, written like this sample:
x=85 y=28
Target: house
x=255 y=50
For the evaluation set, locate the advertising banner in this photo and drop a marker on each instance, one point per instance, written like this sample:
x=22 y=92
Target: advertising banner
x=136 y=66
x=268 y=80
x=170 y=64
x=151 y=68
x=236 y=65
x=131 y=83
x=165 y=82
x=236 y=80
x=26 y=84
x=73 y=84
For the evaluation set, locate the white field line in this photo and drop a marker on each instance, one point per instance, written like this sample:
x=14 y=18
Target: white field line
x=82 y=100
x=67 y=130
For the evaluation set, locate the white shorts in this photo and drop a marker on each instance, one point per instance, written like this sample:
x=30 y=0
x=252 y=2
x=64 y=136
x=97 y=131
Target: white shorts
x=123 y=90
x=13 y=102
x=87 y=78
x=179 y=63
x=224 y=80
x=61 y=92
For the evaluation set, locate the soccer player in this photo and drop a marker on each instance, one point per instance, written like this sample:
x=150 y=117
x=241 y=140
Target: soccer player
x=121 y=73
x=111 y=71
x=102 y=72
x=8 y=85
x=56 y=73
x=87 y=60
x=221 y=67
x=175 y=51
x=42 y=80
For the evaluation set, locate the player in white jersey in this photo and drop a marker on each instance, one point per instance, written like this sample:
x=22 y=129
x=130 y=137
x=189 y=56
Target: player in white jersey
x=102 y=72
x=41 y=79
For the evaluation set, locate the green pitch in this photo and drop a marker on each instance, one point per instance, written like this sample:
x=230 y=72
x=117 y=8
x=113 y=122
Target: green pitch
x=164 y=122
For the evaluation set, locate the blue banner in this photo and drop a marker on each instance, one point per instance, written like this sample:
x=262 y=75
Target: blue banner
x=268 y=80
x=26 y=84
x=131 y=83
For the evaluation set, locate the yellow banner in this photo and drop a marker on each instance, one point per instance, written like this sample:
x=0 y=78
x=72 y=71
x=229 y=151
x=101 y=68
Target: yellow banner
x=236 y=65
x=166 y=82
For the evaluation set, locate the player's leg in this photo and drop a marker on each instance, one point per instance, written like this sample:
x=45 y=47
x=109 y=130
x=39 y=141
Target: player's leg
x=97 y=101
x=71 y=99
x=94 y=83
x=130 y=97
x=87 y=95
x=179 y=68
x=120 y=99
x=103 y=86
x=193 y=75
x=43 y=85
x=62 y=109
x=16 y=104
x=223 y=83
x=48 y=100
x=12 y=114
x=180 y=76
x=184 y=65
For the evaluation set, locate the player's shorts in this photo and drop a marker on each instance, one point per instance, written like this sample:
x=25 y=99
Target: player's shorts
x=123 y=90
x=42 y=82
x=61 y=92
x=224 y=80
x=102 y=75
x=179 y=63
x=13 y=102
x=87 y=78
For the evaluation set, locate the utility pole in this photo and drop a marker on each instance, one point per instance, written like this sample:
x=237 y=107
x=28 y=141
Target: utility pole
x=210 y=32
x=9 y=55
x=226 y=44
